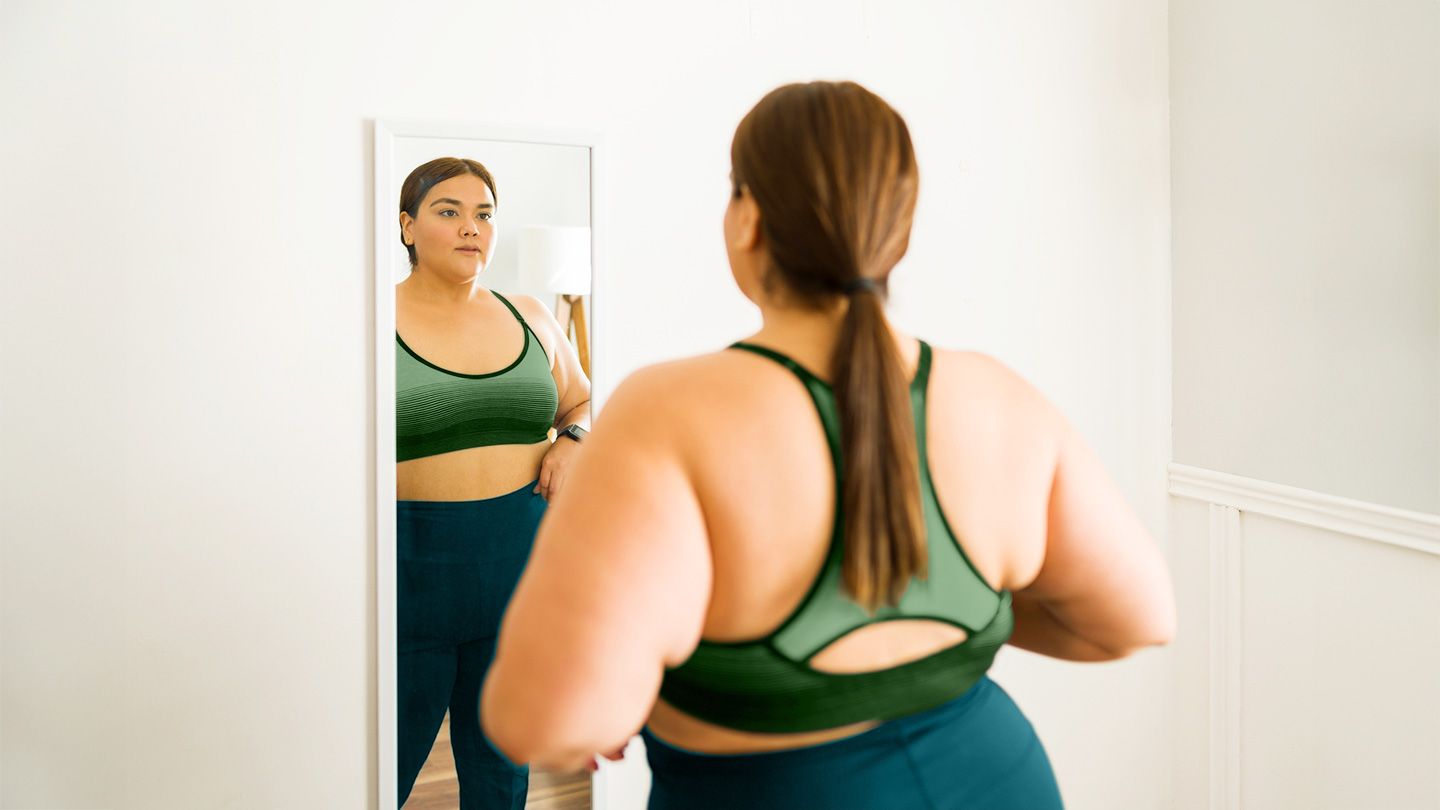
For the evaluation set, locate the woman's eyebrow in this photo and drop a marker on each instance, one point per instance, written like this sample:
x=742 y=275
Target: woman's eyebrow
x=457 y=203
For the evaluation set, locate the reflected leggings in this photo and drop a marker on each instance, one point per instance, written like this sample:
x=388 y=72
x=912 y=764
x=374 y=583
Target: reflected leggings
x=458 y=563
x=977 y=752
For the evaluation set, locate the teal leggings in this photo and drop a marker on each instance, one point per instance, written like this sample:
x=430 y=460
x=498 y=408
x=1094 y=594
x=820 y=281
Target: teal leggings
x=457 y=564
x=977 y=752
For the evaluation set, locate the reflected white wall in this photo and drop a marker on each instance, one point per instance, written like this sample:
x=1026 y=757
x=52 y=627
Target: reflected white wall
x=539 y=185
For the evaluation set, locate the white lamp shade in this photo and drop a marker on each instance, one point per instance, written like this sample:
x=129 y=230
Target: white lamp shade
x=555 y=258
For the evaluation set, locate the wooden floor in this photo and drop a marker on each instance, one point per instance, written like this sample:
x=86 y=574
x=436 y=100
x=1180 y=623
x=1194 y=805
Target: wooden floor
x=436 y=788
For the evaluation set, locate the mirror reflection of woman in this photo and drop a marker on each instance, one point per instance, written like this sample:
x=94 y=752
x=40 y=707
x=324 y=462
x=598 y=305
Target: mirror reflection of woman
x=481 y=379
x=793 y=562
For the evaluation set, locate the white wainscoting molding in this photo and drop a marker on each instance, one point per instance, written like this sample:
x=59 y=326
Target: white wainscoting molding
x=1227 y=627
x=1419 y=531
x=1229 y=496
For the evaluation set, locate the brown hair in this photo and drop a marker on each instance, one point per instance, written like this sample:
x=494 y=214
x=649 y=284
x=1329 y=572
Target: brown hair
x=832 y=169
x=427 y=175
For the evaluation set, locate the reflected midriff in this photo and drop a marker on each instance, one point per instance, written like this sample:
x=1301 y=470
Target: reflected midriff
x=472 y=474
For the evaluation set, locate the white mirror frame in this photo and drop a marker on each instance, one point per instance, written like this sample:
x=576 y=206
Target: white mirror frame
x=387 y=131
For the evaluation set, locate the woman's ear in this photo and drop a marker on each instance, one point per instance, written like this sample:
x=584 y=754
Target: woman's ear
x=747 y=221
x=405 y=222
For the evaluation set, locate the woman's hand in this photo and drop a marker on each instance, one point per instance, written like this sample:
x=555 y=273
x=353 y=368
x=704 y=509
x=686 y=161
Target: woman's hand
x=555 y=466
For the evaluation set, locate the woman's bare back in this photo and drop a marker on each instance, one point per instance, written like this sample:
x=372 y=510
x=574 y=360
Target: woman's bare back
x=762 y=473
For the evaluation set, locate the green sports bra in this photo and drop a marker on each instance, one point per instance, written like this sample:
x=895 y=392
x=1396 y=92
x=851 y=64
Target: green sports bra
x=439 y=411
x=767 y=684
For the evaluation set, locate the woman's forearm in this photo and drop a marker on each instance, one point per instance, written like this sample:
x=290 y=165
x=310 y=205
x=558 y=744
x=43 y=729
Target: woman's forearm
x=1039 y=631
x=578 y=415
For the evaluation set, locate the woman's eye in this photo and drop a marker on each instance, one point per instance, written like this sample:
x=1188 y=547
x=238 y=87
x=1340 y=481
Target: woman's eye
x=486 y=215
x=447 y=213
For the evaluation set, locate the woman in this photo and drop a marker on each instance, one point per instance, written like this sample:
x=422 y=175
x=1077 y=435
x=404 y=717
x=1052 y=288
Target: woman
x=801 y=609
x=480 y=380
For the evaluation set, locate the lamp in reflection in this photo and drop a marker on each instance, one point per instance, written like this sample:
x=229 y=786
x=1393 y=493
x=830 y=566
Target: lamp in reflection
x=557 y=259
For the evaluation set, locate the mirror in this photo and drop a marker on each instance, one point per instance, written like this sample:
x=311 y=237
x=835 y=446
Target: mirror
x=484 y=264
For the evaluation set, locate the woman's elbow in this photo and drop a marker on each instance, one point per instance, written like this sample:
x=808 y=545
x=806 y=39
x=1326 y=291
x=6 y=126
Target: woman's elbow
x=504 y=728
x=1164 y=631
x=530 y=738
x=522 y=746
x=1160 y=630
x=1157 y=632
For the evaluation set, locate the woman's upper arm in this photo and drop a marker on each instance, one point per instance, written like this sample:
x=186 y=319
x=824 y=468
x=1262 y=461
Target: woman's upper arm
x=1099 y=572
x=616 y=588
x=1102 y=574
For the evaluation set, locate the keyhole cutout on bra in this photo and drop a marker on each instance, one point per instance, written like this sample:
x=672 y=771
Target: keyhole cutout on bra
x=886 y=644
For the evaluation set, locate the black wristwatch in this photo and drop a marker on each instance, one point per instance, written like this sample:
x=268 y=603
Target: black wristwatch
x=573 y=431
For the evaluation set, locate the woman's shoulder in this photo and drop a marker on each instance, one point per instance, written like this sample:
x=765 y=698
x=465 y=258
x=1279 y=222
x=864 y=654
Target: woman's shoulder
x=537 y=316
x=977 y=364
x=984 y=382
x=734 y=373
x=532 y=309
x=697 y=390
x=693 y=377
x=723 y=371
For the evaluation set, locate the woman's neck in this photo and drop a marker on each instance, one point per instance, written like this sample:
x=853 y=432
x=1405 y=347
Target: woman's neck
x=797 y=327
x=432 y=288
x=808 y=336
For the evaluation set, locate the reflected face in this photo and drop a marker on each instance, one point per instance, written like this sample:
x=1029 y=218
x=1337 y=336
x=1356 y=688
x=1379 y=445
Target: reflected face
x=453 y=231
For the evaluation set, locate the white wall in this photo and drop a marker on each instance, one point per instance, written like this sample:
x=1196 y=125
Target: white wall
x=1306 y=205
x=185 y=588
x=1307 y=243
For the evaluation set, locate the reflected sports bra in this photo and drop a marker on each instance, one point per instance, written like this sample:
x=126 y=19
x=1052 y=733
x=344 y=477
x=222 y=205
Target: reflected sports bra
x=767 y=684
x=439 y=411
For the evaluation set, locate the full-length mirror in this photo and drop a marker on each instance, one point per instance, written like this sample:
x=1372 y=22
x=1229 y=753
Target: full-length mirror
x=484 y=258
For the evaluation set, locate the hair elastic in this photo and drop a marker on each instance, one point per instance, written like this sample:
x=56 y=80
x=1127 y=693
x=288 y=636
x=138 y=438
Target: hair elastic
x=860 y=285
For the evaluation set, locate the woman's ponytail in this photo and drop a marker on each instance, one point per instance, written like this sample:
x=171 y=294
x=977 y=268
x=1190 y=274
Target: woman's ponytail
x=832 y=169
x=884 y=528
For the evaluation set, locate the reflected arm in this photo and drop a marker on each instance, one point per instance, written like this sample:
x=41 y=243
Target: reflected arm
x=570 y=379
x=578 y=415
